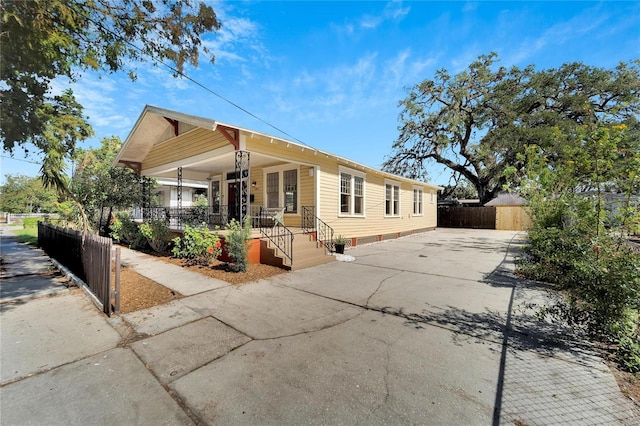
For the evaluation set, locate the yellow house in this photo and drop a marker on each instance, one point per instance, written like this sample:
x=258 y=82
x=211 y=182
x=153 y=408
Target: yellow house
x=286 y=188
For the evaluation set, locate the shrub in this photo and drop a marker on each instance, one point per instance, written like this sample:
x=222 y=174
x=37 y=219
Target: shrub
x=157 y=234
x=198 y=245
x=237 y=244
x=125 y=230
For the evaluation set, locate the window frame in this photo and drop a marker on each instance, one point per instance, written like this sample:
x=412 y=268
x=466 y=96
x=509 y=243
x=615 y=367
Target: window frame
x=398 y=185
x=418 y=190
x=281 y=192
x=352 y=197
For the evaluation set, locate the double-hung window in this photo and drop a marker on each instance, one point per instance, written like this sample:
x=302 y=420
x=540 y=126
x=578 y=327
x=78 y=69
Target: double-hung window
x=417 y=201
x=392 y=199
x=290 y=190
x=281 y=188
x=352 y=192
x=273 y=196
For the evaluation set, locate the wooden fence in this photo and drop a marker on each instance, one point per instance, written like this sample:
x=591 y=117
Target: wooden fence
x=88 y=257
x=467 y=217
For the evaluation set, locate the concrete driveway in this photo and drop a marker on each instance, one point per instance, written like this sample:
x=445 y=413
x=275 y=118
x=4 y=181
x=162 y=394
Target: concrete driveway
x=428 y=329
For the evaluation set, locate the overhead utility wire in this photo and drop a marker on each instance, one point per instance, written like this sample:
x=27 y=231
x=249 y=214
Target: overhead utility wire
x=197 y=83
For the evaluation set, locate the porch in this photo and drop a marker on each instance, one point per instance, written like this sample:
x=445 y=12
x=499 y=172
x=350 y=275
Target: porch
x=273 y=243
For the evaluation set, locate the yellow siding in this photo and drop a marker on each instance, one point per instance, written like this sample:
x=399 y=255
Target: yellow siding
x=374 y=222
x=258 y=193
x=307 y=188
x=184 y=146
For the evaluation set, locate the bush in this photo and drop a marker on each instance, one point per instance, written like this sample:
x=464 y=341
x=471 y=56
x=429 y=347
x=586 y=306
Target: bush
x=198 y=245
x=125 y=231
x=237 y=244
x=157 y=234
x=628 y=355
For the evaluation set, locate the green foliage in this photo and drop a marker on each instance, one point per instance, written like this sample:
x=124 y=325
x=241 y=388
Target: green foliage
x=340 y=239
x=126 y=231
x=198 y=245
x=577 y=240
x=99 y=187
x=27 y=235
x=24 y=194
x=237 y=244
x=157 y=234
x=31 y=222
x=477 y=122
x=43 y=40
x=629 y=353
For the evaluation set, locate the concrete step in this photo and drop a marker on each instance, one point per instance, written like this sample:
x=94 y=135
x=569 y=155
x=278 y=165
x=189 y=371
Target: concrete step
x=306 y=253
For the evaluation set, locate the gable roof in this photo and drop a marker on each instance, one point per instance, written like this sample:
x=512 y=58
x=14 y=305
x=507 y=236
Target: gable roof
x=507 y=199
x=159 y=124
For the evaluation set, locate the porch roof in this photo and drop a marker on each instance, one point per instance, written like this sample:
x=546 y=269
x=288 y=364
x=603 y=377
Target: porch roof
x=157 y=125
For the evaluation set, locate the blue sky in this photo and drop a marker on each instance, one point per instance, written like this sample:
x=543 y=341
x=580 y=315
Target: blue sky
x=331 y=74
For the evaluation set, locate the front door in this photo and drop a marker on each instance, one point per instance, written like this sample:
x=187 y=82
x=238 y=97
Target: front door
x=232 y=200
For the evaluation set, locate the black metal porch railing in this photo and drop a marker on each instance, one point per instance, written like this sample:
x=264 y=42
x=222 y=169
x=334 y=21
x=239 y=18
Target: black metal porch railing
x=213 y=216
x=312 y=223
x=276 y=232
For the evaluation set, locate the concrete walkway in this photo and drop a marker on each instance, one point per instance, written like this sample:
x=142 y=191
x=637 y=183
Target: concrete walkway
x=428 y=329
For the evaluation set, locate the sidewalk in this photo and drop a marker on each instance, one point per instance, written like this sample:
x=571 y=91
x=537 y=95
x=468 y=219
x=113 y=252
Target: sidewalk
x=424 y=338
x=27 y=272
x=171 y=276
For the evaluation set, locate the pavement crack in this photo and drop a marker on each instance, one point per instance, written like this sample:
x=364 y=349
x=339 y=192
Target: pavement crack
x=300 y=333
x=380 y=285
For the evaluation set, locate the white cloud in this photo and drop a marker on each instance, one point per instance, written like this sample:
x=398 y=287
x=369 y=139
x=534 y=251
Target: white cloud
x=393 y=11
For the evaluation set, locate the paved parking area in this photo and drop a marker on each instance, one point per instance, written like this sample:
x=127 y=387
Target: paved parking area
x=427 y=329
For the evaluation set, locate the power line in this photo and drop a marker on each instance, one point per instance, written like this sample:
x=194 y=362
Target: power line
x=197 y=83
x=19 y=159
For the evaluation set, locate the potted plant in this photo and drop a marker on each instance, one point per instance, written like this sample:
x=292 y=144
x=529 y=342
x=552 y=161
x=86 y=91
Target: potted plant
x=339 y=243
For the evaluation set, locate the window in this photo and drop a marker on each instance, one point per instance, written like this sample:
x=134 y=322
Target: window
x=358 y=195
x=392 y=199
x=273 y=196
x=352 y=192
x=290 y=189
x=281 y=188
x=417 y=201
x=215 y=196
x=345 y=193
x=433 y=197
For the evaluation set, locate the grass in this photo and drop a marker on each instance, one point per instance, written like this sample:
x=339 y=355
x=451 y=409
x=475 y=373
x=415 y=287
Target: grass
x=26 y=235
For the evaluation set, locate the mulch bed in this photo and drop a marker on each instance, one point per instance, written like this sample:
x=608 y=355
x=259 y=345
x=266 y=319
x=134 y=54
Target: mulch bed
x=138 y=292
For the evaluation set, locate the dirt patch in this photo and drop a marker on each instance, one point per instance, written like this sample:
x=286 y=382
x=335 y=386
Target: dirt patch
x=138 y=292
x=220 y=270
x=628 y=383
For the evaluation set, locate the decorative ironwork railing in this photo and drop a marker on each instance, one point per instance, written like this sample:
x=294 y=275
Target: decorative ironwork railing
x=276 y=232
x=312 y=223
x=213 y=216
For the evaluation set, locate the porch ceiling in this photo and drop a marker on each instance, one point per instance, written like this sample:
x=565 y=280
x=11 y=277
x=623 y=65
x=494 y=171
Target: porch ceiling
x=218 y=165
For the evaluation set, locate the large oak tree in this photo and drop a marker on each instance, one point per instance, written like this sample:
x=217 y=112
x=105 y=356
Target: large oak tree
x=477 y=122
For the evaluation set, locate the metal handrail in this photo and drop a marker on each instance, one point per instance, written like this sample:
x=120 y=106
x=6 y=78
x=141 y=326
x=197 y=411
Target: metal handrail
x=276 y=232
x=213 y=216
x=311 y=223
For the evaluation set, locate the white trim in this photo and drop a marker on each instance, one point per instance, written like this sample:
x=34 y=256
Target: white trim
x=317 y=189
x=352 y=173
x=433 y=195
x=413 y=195
x=394 y=183
x=280 y=169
